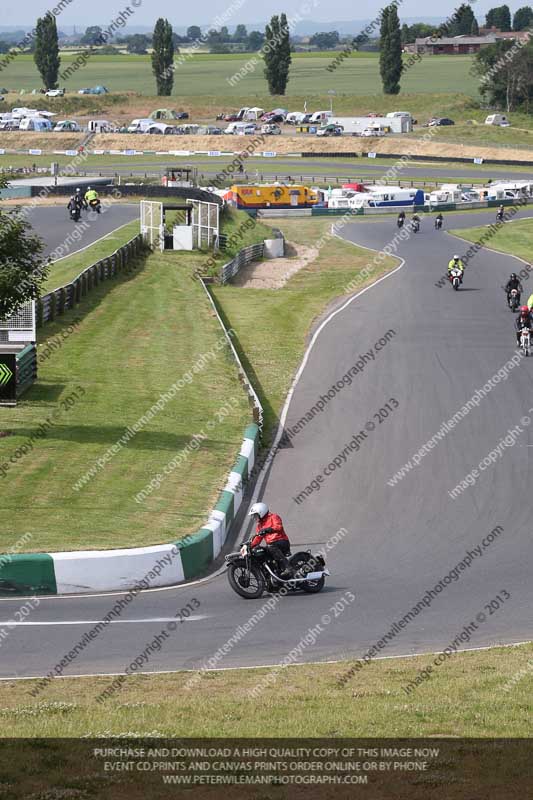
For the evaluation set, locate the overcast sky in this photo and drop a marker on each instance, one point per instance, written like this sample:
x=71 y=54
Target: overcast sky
x=204 y=12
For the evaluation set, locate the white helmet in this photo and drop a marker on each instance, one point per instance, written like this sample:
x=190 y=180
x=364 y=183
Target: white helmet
x=456 y=258
x=261 y=509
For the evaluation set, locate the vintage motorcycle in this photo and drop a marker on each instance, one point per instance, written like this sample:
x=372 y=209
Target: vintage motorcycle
x=253 y=571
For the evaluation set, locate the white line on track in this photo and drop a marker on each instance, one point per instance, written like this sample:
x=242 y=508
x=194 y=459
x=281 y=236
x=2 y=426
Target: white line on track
x=263 y=666
x=96 y=241
x=26 y=623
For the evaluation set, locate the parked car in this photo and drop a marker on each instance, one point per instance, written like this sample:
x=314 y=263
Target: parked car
x=182 y=115
x=55 y=93
x=372 y=132
x=10 y=125
x=273 y=117
x=271 y=130
x=213 y=130
x=93 y=90
x=330 y=130
x=231 y=118
x=433 y=123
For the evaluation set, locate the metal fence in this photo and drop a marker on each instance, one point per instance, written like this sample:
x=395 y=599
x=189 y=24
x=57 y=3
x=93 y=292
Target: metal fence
x=244 y=257
x=55 y=303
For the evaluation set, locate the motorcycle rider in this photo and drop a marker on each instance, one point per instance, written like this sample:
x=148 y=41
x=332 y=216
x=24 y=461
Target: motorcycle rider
x=513 y=283
x=439 y=219
x=523 y=320
x=270 y=526
x=456 y=263
x=80 y=200
x=401 y=219
x=500 y=213
x=91 y=195
x=73 y=205
x=415 y=221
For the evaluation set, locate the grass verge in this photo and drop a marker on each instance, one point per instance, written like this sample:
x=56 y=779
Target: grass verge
x=479 y=694
x=272 y=325
x=515 y=238
x=134 y=341
x=101 y=367
x=66 y=269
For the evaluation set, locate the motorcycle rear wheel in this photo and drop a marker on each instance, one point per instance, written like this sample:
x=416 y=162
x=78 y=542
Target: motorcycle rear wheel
x=301 y=566
x=256 y=587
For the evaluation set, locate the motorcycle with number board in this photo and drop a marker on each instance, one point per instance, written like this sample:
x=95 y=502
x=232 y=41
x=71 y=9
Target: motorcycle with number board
x=252 y=571
x=456 y=277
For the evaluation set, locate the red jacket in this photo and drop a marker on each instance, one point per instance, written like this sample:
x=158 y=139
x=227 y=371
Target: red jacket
x=269 y=521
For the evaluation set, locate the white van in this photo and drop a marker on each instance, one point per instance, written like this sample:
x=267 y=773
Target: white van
x=35 y=124
x=99 y=126
x=242 y=128
x=320 y=116
x=139 y=125
x=497 y=119
x=393 y=114
x=295 y=117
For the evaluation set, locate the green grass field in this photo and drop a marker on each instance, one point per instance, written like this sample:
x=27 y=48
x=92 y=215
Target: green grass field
x=209 y=74
x=136 y=336
x=514 y=237
x=464 y=697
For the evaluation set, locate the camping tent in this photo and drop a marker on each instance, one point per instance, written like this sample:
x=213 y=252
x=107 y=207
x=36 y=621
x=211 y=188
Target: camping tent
x=163 y=113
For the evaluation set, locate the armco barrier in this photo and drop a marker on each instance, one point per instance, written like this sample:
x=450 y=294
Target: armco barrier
x=55 y=303
x=397 y=156
x=253 y=398
x=244 y=257
x=135 y=568
x=26 y=368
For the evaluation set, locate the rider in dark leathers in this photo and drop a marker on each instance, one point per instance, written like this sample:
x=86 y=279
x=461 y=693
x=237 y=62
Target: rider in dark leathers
x=513 y=283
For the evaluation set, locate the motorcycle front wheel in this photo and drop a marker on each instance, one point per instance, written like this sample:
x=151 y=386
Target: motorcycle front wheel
x=249 y=585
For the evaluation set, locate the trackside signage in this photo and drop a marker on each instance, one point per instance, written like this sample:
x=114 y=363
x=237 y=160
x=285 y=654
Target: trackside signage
x=8 y=378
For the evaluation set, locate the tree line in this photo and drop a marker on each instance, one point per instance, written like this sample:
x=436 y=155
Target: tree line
x=274 y=45
x=512 y=87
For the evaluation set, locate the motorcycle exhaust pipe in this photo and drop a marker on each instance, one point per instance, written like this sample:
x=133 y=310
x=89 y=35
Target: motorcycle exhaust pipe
x=312 y=576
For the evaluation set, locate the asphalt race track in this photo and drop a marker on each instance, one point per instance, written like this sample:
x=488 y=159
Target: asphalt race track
x=53 y=225
x=400 y=540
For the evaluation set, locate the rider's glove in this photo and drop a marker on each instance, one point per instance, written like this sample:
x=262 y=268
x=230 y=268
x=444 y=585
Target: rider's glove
x=265 y=530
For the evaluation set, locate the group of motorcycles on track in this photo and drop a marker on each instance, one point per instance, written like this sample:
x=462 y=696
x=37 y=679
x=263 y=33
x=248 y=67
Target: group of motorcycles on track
x=524 y=321
x=414 y=224
x=80 y=202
